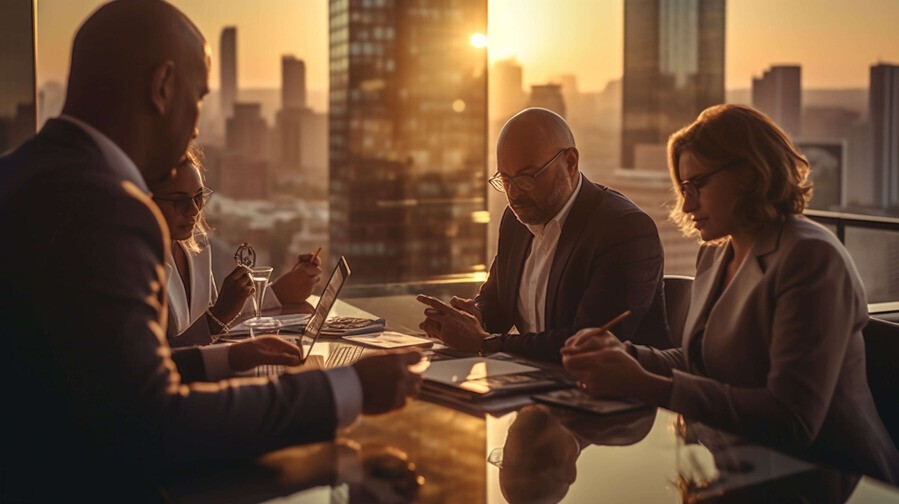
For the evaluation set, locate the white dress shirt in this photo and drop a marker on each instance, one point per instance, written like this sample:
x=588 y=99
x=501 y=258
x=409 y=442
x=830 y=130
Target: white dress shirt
x=345 y=385
x=535 y=274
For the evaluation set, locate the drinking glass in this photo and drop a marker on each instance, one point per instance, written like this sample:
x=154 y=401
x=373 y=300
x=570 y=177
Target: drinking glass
x=258 y=324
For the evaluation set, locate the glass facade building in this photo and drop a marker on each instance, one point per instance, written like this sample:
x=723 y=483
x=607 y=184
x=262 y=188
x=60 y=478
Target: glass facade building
x=673 y=68
x=407 y=138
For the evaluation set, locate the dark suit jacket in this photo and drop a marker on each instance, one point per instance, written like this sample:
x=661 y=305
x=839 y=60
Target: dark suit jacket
x=609 y=259
x=95 y=402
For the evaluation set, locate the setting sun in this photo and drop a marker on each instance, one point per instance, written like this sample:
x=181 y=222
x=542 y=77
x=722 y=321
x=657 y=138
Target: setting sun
x=479 y=40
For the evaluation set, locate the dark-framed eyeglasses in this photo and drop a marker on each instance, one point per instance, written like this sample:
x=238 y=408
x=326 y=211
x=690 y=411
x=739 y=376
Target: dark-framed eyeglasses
x=691 y=186
x=525 y=182
x=185 y=204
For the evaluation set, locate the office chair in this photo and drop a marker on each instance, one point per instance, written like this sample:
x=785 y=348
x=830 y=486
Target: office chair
x=882 y=360
x=678 y=289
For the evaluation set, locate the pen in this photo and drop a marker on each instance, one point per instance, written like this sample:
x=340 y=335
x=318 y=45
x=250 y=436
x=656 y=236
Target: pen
x=625 y=314
x=310 y=260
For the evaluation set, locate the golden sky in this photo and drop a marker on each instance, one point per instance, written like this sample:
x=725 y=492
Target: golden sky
x=835 y=41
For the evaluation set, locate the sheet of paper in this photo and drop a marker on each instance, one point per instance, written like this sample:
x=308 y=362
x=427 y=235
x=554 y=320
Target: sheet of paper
x=455 y=371
x=388 y=339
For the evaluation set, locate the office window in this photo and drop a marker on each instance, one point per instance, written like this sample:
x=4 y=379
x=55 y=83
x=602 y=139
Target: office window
x=396 y=130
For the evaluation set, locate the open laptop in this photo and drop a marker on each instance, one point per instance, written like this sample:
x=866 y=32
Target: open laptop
x=343 y=354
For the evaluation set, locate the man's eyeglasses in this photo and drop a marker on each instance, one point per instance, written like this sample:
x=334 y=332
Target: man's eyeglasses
x=691 y=186
x=185 y=204
x=525 y=182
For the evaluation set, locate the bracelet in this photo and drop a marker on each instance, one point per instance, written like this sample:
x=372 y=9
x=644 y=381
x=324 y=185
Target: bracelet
x=215 y=319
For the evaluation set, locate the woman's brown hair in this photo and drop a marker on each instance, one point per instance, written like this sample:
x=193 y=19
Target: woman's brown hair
x=772 y=176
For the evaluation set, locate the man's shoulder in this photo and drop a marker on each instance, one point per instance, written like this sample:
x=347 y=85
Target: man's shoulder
x=609 y=202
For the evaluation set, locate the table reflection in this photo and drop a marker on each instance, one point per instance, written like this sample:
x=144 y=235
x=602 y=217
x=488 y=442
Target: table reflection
x=538 y=462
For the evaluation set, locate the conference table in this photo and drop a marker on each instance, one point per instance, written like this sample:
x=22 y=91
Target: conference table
x=427 y=452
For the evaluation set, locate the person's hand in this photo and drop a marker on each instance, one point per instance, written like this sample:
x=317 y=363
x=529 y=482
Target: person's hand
x=387 y=381
x=236 y=288
x=467 y=306
x=295 y=286
x=612 y=372
x=264 y=350
x=455 y=328
x=590 y=339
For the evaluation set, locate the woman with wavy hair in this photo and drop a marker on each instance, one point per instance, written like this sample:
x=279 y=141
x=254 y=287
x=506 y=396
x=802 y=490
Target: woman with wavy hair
x=772 y=346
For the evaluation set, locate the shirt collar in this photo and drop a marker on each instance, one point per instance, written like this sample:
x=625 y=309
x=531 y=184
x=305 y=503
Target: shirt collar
x=559 y=219
x=114 y=155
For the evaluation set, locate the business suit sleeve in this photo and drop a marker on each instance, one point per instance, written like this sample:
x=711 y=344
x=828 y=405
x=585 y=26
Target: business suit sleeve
x=660 y=362
x=120 y=373
x=487 y=301
x=198 y=333
x=495 y=320
x=817 y=307
x=623 y=274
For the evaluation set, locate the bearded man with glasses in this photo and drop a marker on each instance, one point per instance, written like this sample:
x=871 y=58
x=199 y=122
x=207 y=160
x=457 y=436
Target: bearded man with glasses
x=571 y=253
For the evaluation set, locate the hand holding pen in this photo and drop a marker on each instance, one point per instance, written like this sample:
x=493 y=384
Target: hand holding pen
x=594 y=338
x=295 y=286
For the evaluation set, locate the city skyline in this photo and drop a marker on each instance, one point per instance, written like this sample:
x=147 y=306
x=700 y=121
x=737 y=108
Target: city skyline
x=835 y=42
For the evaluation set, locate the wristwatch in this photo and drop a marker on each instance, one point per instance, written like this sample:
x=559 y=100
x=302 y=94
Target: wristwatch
x=491 y=344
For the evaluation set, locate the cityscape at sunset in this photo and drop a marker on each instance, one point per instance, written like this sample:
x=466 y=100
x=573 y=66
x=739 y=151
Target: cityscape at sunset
x=450 y=251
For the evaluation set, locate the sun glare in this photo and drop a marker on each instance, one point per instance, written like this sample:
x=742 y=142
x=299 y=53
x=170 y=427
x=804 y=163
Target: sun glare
x=479 y=40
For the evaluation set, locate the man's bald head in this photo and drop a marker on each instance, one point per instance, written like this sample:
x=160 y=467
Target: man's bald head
x=132 y=64
x=119 y=45
x=536 y=128
x=537 y=144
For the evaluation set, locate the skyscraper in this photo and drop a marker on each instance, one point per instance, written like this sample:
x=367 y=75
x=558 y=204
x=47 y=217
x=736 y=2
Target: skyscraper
x=673 y=67
x=244 y=172
x=293 y=83
x=292 y=115
x=548 y=96
x=883 y=103
x=778 y=93
x=507 y=94
x=407 y=138
x=228 y=70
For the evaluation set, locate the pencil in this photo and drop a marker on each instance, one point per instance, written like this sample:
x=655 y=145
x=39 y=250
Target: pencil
x=625 y=314
x=310 y=260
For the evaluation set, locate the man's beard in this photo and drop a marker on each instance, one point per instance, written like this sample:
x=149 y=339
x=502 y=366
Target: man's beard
x=527 y=211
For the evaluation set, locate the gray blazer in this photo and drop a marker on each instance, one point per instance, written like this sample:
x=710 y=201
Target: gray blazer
x=99 y=403
x=783 y=351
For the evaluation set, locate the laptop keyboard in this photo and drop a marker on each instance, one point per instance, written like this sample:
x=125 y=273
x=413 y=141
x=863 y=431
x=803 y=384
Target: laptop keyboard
x=344 y=355
x=269 y=370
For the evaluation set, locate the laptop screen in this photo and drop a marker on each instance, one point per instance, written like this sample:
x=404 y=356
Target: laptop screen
x=325 y=303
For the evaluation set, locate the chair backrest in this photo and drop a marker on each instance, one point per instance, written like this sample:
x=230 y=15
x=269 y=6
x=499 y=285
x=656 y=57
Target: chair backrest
x=678 y=289
x=882 y=361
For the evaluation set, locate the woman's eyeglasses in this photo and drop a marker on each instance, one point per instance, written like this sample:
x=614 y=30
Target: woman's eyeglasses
x=691 y=186
x=185 y=204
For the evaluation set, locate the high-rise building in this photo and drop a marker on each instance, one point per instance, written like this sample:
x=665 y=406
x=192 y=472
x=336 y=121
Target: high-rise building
x=228 y=70
x=548 y=96
x=507 y=96
x=292 y=115
x=778 y=93
x=244 y=170
x=883 y=112
x=673 y=67
x=407 y=138
x=293 y=83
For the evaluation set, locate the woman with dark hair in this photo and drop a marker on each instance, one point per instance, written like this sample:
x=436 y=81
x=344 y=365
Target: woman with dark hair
x=198 y=311
x=772 y=344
